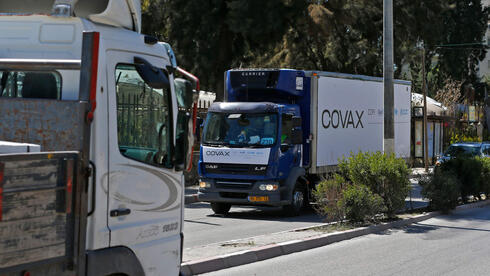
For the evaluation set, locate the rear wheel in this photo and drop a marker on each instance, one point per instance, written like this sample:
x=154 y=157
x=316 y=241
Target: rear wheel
x=220 y=208
x=297 y=202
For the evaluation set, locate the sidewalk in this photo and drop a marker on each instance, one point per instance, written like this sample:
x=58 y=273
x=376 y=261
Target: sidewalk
x=228 y=254
x=420 y=172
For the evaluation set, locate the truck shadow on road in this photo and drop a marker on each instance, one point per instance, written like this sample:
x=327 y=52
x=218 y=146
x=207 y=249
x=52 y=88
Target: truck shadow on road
x=198 y=205
x=272 y=214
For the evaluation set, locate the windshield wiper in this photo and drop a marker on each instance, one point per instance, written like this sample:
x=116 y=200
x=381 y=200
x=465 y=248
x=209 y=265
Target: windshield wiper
x=259 y=146
x=213 y=144
x=248 y=146
x=237 y=145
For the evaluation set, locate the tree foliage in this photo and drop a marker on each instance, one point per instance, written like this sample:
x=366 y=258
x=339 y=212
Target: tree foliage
x=211 y=36
x=449 y=95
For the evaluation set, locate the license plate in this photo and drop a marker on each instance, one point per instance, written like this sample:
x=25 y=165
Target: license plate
x=258 y=198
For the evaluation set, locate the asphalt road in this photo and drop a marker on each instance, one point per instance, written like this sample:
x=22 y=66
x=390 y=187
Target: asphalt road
x=202 y=227
x=446 y=245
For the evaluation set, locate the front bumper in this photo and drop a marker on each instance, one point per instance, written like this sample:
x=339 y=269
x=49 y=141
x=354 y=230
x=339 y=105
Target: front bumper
x=242 y=196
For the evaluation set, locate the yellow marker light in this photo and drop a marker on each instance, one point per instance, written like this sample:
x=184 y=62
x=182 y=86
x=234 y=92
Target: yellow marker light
x=204 y=184
x=258 y=198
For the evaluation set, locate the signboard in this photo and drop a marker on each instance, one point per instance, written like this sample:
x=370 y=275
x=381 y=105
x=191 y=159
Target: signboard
x=430 y=138
x=227 y=155
x=437 y=139
x=350 y=118
x=419 y=129
x=403 y=99
x=472 y=113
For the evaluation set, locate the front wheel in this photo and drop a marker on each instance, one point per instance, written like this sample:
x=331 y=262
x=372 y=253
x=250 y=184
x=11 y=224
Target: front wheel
x=297 y=202
x=220 y=208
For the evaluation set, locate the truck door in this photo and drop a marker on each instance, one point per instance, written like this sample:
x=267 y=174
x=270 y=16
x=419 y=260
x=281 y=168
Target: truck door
x=144 y=192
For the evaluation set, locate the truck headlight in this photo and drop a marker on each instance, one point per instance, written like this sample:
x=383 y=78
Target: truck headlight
x=204 y=184
x=268 y=187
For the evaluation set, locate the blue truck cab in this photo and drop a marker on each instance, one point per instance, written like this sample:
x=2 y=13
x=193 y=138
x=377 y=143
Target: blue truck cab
x=254 y=145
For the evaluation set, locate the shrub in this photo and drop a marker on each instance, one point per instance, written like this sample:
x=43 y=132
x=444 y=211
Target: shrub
x=468 y=171
x=485 y=176
x=384 y=174
x=360 y=203
x=458 y=138
x=328 y=195
x=442 y=189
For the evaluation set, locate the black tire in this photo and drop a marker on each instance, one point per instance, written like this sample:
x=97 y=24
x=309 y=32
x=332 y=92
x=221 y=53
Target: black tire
x=297 y=202
x=220 y=208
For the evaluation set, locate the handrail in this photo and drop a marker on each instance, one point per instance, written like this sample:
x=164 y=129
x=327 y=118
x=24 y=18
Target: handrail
x=39 y=64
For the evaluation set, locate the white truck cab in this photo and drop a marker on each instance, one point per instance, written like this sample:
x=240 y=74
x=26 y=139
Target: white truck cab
x=80 y=77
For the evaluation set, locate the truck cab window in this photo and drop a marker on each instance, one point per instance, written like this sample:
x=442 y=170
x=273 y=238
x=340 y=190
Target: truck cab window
x=143 y=123
x=30 y=84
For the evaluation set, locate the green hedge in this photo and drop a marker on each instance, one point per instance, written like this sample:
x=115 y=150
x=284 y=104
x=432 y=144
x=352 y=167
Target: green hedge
x=485 y=176
x=384 y=174
x=328 y=198
x=457 y=179
x=360 y=204
x=443 y=189
x=366 y=184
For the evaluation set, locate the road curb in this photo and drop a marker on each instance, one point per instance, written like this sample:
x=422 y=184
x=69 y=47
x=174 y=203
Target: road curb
x=193 y=198
x=275 y=250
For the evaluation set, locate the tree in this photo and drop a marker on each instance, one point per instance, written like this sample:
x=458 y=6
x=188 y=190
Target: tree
x=449 y=95
x=212 y=36
x=465 y=23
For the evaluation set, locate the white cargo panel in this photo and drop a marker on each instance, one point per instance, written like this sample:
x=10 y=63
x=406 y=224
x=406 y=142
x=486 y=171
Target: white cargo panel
x=402 y=120
x=350 y=118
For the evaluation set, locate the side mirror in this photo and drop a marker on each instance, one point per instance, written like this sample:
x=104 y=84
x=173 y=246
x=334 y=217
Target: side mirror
x=171 y=54
x=296 y=136
x=153 y=76
x=287 y=117
x=184 y=92
x=296 y=120
x=284 y=147
x=184 y=135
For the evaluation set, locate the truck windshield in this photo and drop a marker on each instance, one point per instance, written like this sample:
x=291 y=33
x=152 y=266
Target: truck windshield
x=240 y=130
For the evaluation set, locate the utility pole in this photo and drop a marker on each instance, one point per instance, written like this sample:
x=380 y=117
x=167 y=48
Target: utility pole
x=389 y=118
x=425 y=132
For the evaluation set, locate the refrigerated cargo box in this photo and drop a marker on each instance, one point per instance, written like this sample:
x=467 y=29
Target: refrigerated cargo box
x=347 y=117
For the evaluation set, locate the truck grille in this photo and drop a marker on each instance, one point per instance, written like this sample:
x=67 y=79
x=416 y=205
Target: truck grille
x=233 y=184
x=238 y=169
x=233 y=195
